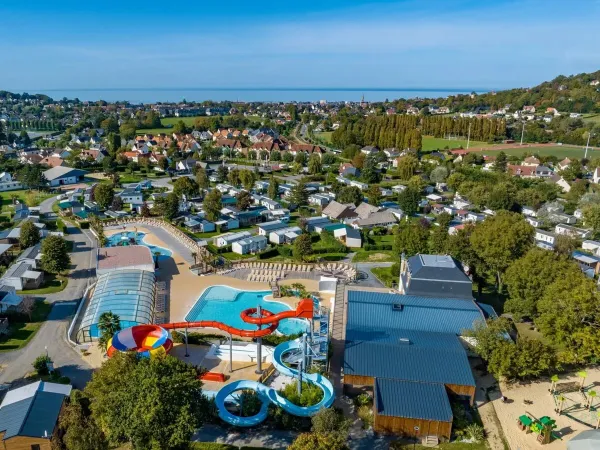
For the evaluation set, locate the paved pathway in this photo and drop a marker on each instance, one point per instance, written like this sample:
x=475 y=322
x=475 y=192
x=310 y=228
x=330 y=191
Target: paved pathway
x=251 y=437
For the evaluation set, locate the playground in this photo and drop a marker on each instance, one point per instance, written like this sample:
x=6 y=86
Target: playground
x=536 y=401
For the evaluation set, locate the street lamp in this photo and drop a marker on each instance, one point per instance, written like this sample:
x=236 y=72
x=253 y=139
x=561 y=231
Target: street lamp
x=587 y=146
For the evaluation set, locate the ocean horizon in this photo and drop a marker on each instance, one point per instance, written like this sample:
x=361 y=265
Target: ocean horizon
x=264 y=94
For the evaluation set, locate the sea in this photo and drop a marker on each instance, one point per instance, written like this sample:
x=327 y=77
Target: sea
x=167 y=95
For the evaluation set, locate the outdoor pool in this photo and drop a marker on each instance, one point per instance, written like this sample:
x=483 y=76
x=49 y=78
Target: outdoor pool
x=125 y=238
x=224 y=304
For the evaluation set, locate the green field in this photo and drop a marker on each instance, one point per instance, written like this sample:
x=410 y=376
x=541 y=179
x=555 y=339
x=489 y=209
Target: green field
x=325 y=135
x=560 y=151
x=431 y=143
x=595 y=118
x=20 y=333
x=30 y=198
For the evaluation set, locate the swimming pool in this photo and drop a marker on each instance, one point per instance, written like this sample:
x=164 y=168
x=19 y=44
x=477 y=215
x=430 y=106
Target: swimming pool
x=224 y=304
x=117 y=238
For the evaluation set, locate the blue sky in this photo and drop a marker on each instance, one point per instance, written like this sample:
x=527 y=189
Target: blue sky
x=418 y=43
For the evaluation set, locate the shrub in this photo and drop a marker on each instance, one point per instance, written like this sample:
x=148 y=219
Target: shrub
x=64 y=380
x=268 y=254
x=363 y=400
x=60 y=226
x=41 y=364
x=274 y=340
x=285 y=251
x=475 y=432
x=365 y=413
x=84 y=225
x=395 y=270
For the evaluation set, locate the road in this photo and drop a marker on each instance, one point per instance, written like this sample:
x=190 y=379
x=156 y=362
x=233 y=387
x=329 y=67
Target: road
x=52 y=336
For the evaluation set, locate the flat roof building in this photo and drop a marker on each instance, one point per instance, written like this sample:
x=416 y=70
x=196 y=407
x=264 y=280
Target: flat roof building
x=129 y=257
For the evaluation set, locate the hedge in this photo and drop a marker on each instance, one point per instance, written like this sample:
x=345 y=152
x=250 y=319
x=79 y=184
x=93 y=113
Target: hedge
x=368 y=247
x=285 y=251
x=84 y=225
x=60 y=226
x=268 y=254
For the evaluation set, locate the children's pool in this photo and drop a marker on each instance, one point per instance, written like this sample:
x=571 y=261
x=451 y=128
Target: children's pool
x=224 y=304
x=125 y=238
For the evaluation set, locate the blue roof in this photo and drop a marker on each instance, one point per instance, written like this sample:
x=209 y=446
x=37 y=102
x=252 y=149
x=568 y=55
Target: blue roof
x=375 y=310
x=35 y=416
x=425 y=357
x=419 y=400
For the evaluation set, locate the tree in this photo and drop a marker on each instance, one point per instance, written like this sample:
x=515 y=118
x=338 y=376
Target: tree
x=163 y=163
x=222 y=172
x=314 y=164
x=103 y=194
x=27 y=306
x=407 y=166
x=302 y=247
x=243 y=200
x=350 y=194
x=328 y=420
x=527 y=278
x=374 y=194
x=32 y=176
x=144 y=210
x=30 y=235
x=299 y=193
x=501 y=162
x=501 y=239
x=202 y=178
x=234 y=177
x=124 y=394
x=565 y=245
x=247 y=178
x=168 y=206
x=24 y=138
x=591 y=218
x=40 y=364
x=117 y=203
x=288 y=157
x=439 y=174
x=114 y=143
x=369 y=173
x=55 y=255
x=273 y=191
x=109 y=323
x=319 y=441
x=212 y=205
x=411 y=239
x=185 y=186
x=359 y=160
x=300 y=158
x=408 y=200
x=76 y=429
x=568 y=314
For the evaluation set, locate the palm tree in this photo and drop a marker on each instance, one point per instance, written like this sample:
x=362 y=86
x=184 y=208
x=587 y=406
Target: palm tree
x=195 y=256
x=554 y=380
x=156 y=255
x=583 y=375
x=108 y=323
x=591 y=396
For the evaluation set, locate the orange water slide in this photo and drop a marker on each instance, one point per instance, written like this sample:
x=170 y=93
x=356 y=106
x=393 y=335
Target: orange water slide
x=304 y=311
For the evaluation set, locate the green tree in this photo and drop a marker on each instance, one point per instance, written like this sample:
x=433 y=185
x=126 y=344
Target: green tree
x=32 y=176
x=145 y=211
x=163 y=163
x=273 y=191
x=407 y=166
x=408 y=200
x=411 y=239
x=212 y=205
x=569 y=315
x=527 y=278
x=168 y=206
x=117 y=203
x=234 y=177
x=501 y=162
x=302 y=247
x=374 y=194
x=501 y=239
x=30 y=235
x=202 y=178
x=565 y=245
x=109 y=323
x=591 y=218
x=185 y=186
x=76 y=429
x=369 y=173
x=114 y=143
x=359 y=160
x=299 y=193
x=319 y=441
x=55 y=255
x=243 y=200
x=328 y=420
x=314 y=164
x=350 y=194
x=247 y=178
x=222 y=172
x=124 y=394
x=103 y=194
x=439 y=174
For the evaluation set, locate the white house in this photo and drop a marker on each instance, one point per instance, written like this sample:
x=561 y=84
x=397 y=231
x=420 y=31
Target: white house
x=529 y=211
x=567 y=230
x=267 y=227
x=250 y=245
x=362 y=186
x=312 y=222
x=591 y=246
x=545 y=239
x=533 y=221
x=285 y=235
x=350 y=236
x=229 y=238
x=131 y=196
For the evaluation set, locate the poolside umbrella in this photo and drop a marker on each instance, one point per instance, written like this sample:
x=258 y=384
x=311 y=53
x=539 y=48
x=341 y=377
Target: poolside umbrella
x=586 y=440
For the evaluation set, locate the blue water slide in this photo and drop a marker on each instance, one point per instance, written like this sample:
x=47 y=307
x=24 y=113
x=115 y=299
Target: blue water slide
x=267 y=394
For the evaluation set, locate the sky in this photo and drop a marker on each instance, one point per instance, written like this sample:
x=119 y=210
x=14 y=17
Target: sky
x=458 y=44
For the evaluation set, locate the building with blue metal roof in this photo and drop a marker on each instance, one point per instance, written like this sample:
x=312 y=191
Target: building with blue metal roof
x=28 y=415
x=408 y=349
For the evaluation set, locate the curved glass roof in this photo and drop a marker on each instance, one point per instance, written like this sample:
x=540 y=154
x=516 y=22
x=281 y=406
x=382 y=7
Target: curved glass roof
x=128 y=293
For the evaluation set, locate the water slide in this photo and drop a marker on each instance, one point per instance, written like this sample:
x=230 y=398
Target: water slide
x=268 y=394
x=147 y=340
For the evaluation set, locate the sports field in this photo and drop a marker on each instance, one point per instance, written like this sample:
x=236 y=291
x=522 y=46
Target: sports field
x=431 y=143
x=560 y=151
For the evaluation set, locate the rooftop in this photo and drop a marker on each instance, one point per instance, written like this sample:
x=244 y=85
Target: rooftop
x=438 y=276
x=124 y=257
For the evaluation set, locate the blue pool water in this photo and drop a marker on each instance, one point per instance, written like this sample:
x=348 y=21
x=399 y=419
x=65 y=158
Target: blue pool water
x=113 y=241
x=224 y=304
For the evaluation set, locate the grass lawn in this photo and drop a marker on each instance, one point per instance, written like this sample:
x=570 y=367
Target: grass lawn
x=51 y=285
x=407 y=445
x=22 y=332
x=375 y=256
x=431 y=143
x=231 y=256
x=325 y=135
x=168 y=124
x=385 y=275
x=595 y=118
x=560 y=151
x=30 y=198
